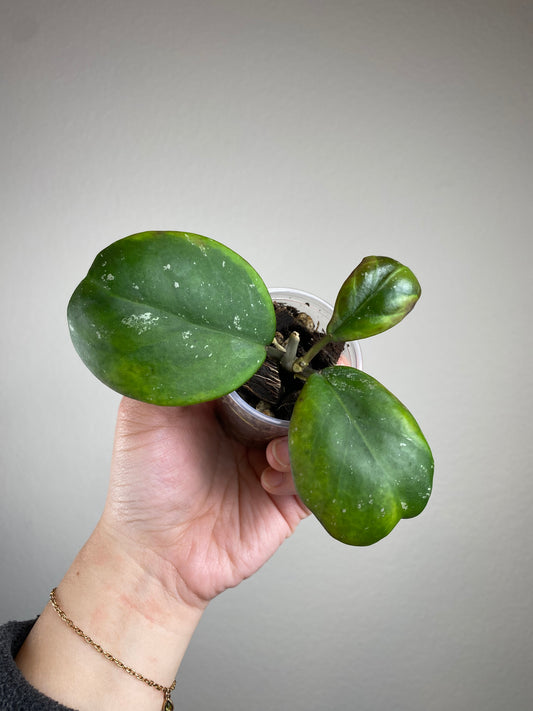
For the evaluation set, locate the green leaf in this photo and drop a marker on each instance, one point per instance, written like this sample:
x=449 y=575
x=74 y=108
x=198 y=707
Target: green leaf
x=171 y=318
x=360 y=461
x=378 y=294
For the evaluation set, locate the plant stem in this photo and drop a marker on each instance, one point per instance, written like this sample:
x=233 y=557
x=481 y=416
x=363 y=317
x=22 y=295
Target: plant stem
x=275 y=352
x=304 y=361
x=289 y=357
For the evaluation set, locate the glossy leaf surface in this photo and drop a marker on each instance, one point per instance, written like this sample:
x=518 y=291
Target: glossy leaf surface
x=360 y=461
x=171 y=318
x=377 y=295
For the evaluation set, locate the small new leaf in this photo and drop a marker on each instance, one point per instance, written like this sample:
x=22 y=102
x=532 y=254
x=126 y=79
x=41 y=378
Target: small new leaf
x=377 y=295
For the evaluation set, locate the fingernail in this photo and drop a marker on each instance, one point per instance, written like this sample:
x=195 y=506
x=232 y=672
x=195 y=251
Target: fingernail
x=280 y=450
x=272 y=478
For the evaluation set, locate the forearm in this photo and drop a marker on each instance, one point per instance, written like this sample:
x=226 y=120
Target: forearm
x=123 y=608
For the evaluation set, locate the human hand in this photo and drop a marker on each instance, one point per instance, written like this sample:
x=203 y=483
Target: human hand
x=202 y=510
x=189 y=513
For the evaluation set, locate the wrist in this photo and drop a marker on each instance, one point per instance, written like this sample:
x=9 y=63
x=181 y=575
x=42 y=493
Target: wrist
x=135 y=579
x=124 y=609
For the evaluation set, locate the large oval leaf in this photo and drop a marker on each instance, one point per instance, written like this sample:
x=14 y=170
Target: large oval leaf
x=360 y=461
x=378 y=294
x=171 y=318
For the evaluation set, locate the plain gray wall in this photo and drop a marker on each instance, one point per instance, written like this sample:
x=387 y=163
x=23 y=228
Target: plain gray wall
x=305 y=135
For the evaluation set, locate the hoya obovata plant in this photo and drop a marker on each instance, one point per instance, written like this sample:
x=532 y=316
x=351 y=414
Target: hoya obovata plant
x=174 y=318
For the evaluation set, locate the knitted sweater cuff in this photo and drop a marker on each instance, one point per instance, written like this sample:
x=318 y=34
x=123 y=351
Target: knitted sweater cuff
x=15 y=692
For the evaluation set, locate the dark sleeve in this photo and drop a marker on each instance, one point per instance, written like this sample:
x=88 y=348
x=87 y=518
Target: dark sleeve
x=16 y=694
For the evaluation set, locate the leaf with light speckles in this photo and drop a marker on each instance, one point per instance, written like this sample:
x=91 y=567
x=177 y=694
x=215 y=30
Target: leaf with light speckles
x=360 y=461
x=376 y=296
x=171 y=318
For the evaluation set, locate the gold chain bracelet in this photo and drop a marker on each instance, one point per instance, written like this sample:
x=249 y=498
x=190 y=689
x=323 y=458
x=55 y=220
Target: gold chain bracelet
x=166 y=690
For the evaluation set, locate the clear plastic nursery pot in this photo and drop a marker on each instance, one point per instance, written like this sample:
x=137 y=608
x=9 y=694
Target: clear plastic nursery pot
x=243 y=421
